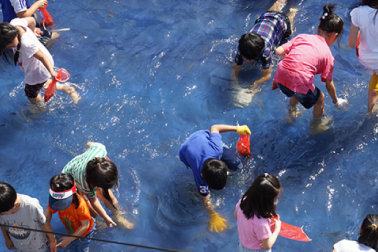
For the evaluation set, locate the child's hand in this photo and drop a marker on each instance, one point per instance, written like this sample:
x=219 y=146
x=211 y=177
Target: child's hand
x=110 y=222
x=37 y=32
x=341 y=103
x=244 y=130
x=9 y=244
x=64 y=242
x=41 y=3
x=52 y=245
x=277 y=225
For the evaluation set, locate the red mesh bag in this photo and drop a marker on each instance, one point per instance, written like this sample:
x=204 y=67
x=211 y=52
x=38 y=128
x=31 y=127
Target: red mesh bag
x=62 y=76
x=243 y=145
x=358 y=44
x=46 y=17
x=290 y=232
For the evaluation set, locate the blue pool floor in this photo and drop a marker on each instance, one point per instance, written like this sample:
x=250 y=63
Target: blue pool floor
x=150 y=73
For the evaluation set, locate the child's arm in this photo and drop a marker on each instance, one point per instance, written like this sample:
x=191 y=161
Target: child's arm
x=101 y=211
x=29 y=12
x=217 y=223
x=8 y=241
x=331 y=90
x=235 y=214
x=235 y=73
x=280 y=50
x=268 y=243
x=47 y=227
x=353 y=35
x=89 y=144
x=220 y=128
x=266 y=74
x=67 y=240
x=45 y=61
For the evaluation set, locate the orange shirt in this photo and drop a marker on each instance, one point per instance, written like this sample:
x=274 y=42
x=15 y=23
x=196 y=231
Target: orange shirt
x=72 y=217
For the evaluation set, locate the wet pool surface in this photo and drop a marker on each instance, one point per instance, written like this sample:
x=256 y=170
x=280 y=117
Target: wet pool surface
x=150 y=73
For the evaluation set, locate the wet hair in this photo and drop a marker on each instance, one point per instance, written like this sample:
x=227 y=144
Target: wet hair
x=102 y=173
x=251 y=46
x=7 y=35
x=65 y=182
x=369 y=232
x=372 y=4
x=8 y=197
x=214 y=173
x=260 y=197
x=331 y=22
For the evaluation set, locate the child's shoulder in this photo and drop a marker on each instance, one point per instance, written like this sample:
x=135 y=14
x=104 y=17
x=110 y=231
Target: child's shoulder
x=27 y=201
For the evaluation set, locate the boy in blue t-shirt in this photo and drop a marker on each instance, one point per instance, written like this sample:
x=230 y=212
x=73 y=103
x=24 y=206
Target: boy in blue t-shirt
x=271 y=29
x=202 y=152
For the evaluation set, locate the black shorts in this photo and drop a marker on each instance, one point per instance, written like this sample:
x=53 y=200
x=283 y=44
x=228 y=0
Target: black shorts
x=45 y=36
x=31 y=91
x=288 y=32
x=307 y=100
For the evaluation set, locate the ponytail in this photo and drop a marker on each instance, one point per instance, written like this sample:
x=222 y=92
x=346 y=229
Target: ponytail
x=17 y=53
x=331 y=22
x=369 y=232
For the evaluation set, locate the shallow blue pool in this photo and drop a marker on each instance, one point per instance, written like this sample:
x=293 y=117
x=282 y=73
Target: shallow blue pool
x=150 y=73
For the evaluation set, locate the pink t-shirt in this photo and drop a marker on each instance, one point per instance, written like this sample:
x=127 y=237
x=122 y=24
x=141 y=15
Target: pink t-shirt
x=252 y=231
x=307 y=55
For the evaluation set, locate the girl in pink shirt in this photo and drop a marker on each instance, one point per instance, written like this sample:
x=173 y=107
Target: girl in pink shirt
x=253 y=213
x=306 y=56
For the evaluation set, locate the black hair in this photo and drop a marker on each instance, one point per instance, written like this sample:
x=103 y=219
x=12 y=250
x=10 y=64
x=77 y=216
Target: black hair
x=214 y=173
x=251 y=46
x=331 y=22
x=260 y=196
x=369 y=232
x=8 y=197
x=102 y=173
x=7 y=34
x=63 y=182
x=372 y=4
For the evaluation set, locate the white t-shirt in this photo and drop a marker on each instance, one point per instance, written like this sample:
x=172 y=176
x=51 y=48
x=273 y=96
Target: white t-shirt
x=363 y=18
x=35 y=71
x=351 y=246
x=18 y=5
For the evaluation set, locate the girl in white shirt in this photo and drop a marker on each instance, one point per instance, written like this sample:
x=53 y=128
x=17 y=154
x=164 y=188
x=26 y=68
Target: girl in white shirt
x=365 y=22
x=368 y=240
x=32 y=57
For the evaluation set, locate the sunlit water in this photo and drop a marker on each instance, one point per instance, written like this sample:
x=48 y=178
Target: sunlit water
x=150 y=73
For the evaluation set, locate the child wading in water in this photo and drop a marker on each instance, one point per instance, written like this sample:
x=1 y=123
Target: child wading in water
x=364 y=22
x=270 y=30
x=306 y=56
x=73 y=212
x=253 y=213
x=32 y=57
x=95 y=176
x=368 y=240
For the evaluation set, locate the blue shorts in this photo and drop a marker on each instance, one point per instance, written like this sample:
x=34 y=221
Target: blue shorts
x=241 y=248
x=307 y=100
x=81 y=245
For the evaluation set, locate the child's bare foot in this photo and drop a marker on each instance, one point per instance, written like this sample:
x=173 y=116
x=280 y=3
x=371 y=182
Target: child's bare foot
x=71 y=91
x=123 y=222
x=291 y=15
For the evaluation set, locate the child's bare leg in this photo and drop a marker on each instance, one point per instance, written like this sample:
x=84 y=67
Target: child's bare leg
x=291 y=15
x=115 y=209
x=278 y=5
x=373 y=96
x=36 y=100
x=71 y=91
x=318 y=109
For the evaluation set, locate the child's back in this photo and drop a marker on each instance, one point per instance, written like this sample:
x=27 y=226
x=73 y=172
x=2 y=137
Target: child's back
x=29 y=215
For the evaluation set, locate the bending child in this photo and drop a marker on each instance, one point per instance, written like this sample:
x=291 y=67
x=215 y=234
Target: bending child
x=364 y=22
x=19 y=210
x=73 y=211
x=254 y=212
x=32 y=57
x=95 y=177
x=306 y=56
x=368 y=240
x=271 y=29
x=202 y=152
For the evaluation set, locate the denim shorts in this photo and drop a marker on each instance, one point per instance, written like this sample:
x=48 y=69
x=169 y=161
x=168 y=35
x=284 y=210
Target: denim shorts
x=81 y=245
x=241 y=248
x=307 y=100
